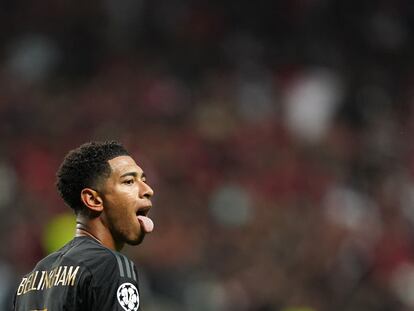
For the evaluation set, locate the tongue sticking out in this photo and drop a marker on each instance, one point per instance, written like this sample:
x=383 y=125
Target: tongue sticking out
x=147 y=224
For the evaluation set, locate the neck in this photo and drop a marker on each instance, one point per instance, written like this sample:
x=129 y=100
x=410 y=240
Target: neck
x=82 y=231
x=94 y=227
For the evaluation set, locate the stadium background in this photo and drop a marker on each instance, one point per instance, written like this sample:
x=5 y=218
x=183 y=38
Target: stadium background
x=276 y=134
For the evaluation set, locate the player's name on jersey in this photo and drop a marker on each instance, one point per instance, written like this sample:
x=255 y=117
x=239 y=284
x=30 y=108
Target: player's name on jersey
x=41 y=280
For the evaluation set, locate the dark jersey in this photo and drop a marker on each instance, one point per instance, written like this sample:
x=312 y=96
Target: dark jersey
x=82 y=275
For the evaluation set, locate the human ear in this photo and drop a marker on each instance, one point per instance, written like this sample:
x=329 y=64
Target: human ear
x=92 y=200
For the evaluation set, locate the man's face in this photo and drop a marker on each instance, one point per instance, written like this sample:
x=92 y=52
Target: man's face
x=126 y=199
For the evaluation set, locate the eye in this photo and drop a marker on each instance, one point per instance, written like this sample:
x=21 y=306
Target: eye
x=128 y=181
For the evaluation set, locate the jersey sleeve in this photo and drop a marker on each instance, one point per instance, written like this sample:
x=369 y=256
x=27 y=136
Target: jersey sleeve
x=114 y=284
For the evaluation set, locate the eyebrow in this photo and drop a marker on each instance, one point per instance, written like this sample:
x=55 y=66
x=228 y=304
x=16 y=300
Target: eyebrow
x=134 y=174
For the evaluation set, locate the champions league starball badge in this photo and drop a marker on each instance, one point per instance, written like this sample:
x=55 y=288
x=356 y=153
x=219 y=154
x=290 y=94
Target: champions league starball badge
x=128 y=297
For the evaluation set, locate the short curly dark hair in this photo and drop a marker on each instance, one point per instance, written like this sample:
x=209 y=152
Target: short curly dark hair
x=84 y=167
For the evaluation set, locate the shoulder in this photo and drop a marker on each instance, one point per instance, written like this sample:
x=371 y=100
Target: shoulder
x=124 y=266
x=111 y=264
x=105 y=264
x=114 y=283
x=92 y=257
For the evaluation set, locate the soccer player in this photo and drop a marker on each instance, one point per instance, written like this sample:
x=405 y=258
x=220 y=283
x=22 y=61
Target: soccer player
x=111 y=199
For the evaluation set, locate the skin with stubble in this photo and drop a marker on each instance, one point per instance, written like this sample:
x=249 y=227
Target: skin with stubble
x=117 y=210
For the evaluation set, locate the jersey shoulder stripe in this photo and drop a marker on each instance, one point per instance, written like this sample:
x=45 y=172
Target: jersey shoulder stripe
x=125 y=266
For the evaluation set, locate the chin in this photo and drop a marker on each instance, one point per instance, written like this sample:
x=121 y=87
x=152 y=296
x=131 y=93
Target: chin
x=136 y=241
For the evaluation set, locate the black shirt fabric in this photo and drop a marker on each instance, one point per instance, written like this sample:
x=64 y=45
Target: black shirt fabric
x=82 y=275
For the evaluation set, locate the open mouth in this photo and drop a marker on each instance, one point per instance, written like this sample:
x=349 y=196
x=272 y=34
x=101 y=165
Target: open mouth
x=143 y=211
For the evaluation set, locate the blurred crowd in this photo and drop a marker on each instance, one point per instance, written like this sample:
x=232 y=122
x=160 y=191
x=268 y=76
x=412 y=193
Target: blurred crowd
x=276 y=135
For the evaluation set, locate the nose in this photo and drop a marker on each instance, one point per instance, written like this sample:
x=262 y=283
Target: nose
x=145 y=190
